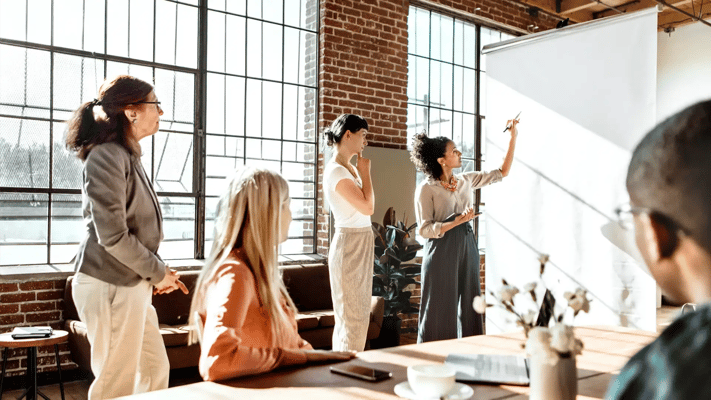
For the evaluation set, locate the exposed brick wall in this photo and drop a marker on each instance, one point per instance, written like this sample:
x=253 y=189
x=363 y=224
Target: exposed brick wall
x=29 y=304
x=509 y=12
x=364 y=66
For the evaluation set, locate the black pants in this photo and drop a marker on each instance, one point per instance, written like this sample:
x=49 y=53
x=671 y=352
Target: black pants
x=450 y=281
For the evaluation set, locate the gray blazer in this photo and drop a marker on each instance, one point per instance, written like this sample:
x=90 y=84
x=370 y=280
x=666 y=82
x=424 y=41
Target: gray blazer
x=123 y=219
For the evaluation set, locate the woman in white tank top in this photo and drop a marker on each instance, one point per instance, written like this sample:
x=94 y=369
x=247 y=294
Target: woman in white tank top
x=349 y=191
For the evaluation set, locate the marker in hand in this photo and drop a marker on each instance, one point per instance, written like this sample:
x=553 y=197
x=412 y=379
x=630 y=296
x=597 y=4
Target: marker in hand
x=516 y=118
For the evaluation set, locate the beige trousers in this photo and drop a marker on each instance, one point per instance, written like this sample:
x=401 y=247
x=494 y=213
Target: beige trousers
x=350 y=265
x=127 y=351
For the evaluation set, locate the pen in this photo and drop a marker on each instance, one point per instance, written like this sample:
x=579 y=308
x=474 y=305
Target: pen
x=509 y=126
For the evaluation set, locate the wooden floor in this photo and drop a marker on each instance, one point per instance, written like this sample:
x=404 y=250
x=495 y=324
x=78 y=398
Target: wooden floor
x=78 y=390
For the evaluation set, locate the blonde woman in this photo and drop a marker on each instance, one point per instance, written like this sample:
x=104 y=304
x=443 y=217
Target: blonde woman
x=349 y=191
x=245 y=314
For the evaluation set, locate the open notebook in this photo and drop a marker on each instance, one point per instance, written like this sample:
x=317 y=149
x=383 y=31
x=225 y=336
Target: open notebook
x=490 y=368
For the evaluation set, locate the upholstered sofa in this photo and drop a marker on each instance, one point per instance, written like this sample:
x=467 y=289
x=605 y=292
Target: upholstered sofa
x=308 y=285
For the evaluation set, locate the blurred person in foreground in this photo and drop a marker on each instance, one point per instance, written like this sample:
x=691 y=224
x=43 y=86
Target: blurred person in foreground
x=669 y=183
x=117 y=265
x=241 y=312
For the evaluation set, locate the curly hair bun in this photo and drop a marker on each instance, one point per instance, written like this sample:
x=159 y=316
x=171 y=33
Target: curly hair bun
x=425 y=152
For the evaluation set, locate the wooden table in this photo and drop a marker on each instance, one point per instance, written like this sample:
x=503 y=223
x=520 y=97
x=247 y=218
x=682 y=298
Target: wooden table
x=31 y=345
x=606 y=351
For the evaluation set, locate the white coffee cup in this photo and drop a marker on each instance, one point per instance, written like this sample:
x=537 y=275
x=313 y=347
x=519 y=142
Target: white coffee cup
x=431 y=380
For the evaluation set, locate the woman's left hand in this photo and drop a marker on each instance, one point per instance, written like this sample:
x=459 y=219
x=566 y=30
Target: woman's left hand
x=170 y=283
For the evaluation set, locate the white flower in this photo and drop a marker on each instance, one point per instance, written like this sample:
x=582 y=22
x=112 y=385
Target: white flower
x=543 y=258
x=529 y=287
x=578 y=301
x=480 y=304
x=563 y=340
x=507 y=292
x=528 y=317
x=539 y=345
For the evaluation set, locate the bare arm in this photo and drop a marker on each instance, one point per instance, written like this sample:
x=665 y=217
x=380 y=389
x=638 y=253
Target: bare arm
x=363 y=199
x=508 y=159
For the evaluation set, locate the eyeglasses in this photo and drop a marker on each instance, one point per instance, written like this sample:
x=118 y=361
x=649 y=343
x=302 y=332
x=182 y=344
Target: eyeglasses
x=625 y=217
x=157 y=103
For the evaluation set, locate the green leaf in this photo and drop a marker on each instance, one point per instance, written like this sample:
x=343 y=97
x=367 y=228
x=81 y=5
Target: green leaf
x=411 y=271
x=378 y=269
x=389 y=217
x=411 y=227
x=378 y=291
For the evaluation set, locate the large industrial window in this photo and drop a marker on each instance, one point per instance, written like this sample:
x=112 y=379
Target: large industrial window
x=261 y=102
x=247 y=96
x=446 y=84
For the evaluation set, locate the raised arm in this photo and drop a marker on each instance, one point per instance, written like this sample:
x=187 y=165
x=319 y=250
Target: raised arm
x=508 y=159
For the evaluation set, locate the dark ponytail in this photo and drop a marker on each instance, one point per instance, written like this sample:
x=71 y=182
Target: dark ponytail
x=85 y=131
x=344 y=122
x=425 y=152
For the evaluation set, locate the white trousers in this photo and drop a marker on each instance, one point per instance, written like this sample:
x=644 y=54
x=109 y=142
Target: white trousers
x=350 y=266
x=127 y=351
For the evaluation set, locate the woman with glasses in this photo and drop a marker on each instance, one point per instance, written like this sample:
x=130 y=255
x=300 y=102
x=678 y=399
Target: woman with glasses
x=117 y=265
x=450 y=265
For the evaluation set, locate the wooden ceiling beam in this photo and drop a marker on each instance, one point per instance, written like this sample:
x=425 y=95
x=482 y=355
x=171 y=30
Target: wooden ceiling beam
x=671 y=18
x=548 y=6
x=627 y=7
x=572 y=6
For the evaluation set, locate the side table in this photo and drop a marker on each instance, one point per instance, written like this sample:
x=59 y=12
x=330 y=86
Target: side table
x=31 y=345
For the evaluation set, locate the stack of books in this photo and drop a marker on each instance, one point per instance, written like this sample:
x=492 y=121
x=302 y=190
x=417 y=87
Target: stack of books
x=31 y=332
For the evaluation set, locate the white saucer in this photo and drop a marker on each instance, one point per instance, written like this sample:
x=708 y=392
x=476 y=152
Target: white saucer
x=460 y=391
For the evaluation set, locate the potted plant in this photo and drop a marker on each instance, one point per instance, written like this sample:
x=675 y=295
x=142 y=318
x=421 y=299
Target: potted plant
x=391 y=276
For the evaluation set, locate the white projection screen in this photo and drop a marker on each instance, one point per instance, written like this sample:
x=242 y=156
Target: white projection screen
x=587 y=94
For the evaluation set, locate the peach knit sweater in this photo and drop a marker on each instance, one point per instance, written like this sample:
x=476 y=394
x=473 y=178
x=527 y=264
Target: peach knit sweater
x=237 y=339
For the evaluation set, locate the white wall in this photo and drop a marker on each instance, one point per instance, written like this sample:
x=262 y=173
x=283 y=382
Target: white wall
x=587 y=95
x=683 y=68
x=393 y=183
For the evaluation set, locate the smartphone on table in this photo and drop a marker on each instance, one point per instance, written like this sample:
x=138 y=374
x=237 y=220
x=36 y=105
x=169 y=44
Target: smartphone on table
x=361 y=372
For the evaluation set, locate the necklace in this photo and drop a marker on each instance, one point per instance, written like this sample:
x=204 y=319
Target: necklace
x=451 y=185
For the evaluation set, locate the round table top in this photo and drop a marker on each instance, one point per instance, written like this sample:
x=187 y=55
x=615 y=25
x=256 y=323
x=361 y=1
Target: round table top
x=58 y=336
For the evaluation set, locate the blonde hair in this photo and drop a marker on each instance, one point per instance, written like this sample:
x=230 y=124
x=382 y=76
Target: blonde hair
x=249 y=218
